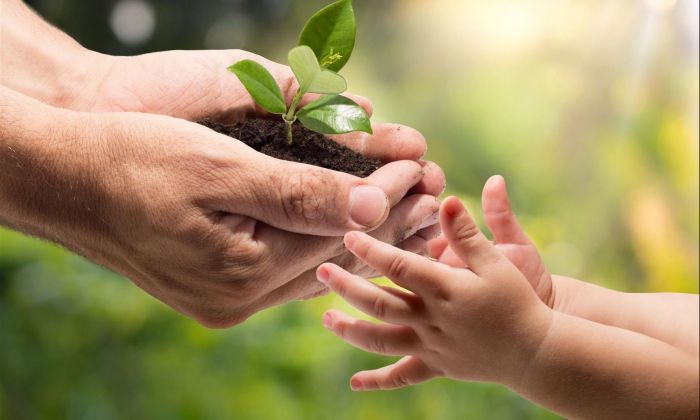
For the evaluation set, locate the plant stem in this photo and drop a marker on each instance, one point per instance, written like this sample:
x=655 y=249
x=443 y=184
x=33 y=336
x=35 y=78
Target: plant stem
x=291 y=115
x=289 y=131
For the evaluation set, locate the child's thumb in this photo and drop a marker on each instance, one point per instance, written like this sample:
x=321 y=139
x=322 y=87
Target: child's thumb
x=498 y=214
x=465 y=238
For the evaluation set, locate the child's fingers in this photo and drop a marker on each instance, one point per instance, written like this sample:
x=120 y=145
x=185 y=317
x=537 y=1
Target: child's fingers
x=386 y=339
x=465 y=238
x=415 y=245
x=365 y=295
x=498 y=214
x=440 y=250
x=410 y=370
x=449 y=257
x=409 y=297
x=437 y=246
x=413 y=272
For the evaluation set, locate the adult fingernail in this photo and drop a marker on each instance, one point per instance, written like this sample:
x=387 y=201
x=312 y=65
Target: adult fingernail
x=368 y=205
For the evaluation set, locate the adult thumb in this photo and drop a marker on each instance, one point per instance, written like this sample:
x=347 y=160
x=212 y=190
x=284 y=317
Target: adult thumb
x=307 y=199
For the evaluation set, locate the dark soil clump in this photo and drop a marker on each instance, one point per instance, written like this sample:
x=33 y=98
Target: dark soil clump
x=269 y=136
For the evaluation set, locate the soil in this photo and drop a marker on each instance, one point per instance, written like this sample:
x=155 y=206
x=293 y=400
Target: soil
x=269 y=136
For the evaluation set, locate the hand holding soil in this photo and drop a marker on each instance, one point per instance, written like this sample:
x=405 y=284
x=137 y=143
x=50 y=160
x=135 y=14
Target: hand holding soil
x=204 y=223
x=199 y=221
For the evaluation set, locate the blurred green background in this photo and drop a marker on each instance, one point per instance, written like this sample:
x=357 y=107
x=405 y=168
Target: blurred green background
x=588 y=107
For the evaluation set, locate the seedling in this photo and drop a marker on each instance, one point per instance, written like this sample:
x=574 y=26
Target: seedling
x=324 y=47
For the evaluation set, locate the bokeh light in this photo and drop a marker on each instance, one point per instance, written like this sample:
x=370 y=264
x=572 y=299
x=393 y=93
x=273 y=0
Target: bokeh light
x=133 y=21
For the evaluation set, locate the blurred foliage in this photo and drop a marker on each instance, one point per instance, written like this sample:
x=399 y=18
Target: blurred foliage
x=589 y=108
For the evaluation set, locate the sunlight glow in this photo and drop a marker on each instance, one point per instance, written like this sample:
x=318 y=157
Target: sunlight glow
x=660 y=6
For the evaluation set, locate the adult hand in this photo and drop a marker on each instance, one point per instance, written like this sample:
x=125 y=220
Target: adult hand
x=43 y=63
x=194 y=85
x=203 y=223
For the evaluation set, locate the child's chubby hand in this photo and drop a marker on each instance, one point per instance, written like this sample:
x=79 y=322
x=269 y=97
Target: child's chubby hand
x=482 y=323
x=508 y=237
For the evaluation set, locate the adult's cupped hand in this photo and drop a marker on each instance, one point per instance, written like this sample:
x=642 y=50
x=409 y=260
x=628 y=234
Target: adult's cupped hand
x=206 y=224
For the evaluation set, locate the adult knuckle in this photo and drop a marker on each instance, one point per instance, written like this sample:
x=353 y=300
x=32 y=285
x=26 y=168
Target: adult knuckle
x=245 y=252
x=304 y=194
x=223 y=256
x=213 y=169
x=240 y=273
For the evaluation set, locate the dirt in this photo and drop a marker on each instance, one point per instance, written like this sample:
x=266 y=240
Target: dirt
x=269 y=136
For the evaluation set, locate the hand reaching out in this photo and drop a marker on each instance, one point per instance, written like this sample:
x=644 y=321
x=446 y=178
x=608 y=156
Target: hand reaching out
x=647 y=313
x=485 y=323
x=488 y=311
x=508 y=237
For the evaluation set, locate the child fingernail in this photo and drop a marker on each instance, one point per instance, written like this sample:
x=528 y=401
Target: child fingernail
x=327 y=321
x=322 y=275
x=350 y=239
x=453 y=207
x=355 y=384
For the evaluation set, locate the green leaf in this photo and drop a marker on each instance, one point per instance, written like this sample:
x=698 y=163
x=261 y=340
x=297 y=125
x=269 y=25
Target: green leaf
x=331 y=34
x=311 y=77
x=261 y=85
x=334 y=114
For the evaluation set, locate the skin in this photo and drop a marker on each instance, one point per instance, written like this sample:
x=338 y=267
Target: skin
x=487 y=323
x=664 y=316
x=197 y=220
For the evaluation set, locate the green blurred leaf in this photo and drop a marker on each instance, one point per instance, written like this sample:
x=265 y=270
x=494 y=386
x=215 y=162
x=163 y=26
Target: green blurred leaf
x=260 y=84
x=331 y=34
x=334 y=114
x=311 y=77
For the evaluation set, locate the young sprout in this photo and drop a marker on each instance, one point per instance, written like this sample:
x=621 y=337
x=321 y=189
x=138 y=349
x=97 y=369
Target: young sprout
x=325 y=45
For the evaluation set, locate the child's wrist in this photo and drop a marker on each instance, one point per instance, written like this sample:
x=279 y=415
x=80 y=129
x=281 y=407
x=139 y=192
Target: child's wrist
x=530 y=338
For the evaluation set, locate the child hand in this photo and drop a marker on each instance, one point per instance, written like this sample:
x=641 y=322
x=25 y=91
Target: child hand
x=508 y=237
x=484 y=323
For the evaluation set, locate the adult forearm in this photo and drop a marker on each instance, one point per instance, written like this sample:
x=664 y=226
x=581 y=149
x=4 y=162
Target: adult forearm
x=39 y=158
x=25 y=128
x=40 y=61
x=669 y=317
x=588 y=370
